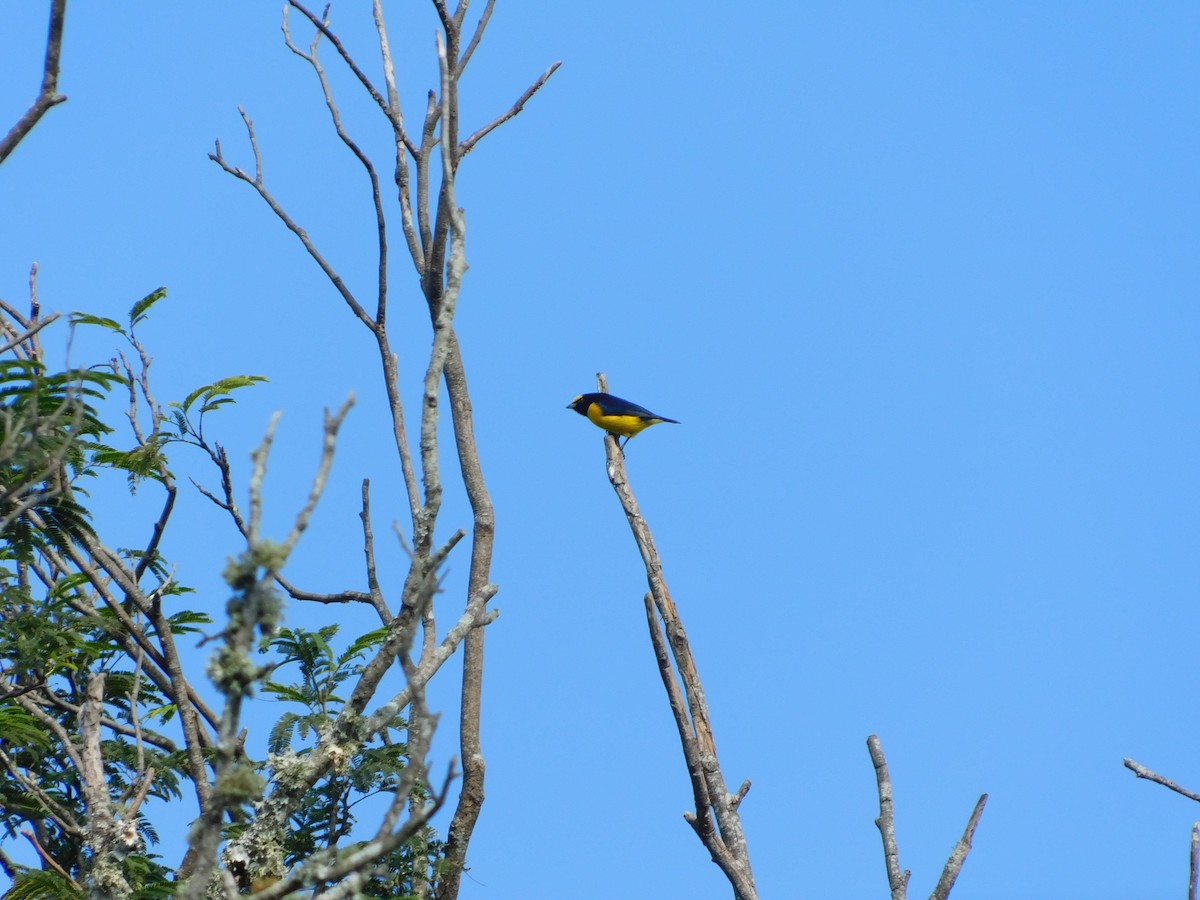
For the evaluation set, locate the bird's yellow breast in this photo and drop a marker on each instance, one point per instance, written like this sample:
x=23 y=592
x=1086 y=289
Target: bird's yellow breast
x=626 y=426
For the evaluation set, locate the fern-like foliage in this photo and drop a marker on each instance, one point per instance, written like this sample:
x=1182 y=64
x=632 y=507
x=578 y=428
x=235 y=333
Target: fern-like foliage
x=49 y=426
x=326 y=817
x=57 y=633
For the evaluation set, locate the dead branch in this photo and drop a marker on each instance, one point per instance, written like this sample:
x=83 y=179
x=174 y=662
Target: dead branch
x=469 y=144
x=256 y=182
x=251 y=610
x=28 y=333
x=716 y=819
x=898 y=878
x=48 y=96
x=1194 y=861
x=958 y=855
x=1194 y=858
x=1142 y=772
x=435 y=237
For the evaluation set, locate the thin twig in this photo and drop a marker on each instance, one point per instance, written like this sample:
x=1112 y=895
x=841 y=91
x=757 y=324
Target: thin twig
x=135 y=804
x=480 y=26
x=48 y=96
x=50 y=860
x=376 y=595
x=61 y=816
x=344 y=136
x=404 y=147
x=1142 y=772
x=328 y=446
x=28 y=333
x=323 y=27
x=469 y=144
x=150 y=737
x=256 y=182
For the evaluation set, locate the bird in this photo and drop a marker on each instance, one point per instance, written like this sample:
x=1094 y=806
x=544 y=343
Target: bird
x=618 y=417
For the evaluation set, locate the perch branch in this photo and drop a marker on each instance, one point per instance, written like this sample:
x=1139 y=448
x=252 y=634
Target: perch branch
x=716 y=819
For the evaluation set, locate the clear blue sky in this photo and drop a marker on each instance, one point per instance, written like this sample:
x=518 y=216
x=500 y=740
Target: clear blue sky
x=920 y=280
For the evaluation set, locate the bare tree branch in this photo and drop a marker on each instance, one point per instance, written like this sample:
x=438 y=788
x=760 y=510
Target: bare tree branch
x=364 y=161
x=376 y=596
x=256 y=182
x=897 y=879
x=1194 y=861
x=28 y=333
x=322 y=25
x=49 y=860
x=716 y=819
x=469 y=144
x=470 y=800
x=1142 y=772
x=435 y=236
x=404 y=147
x=480 y=26
x=958 y=855
x=333 y=424
x=252 y=609
x=48 y=96
x=108 y=838
x=678 y=705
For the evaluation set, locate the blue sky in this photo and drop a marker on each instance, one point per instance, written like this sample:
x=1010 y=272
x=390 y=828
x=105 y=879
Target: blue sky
x=918 y=279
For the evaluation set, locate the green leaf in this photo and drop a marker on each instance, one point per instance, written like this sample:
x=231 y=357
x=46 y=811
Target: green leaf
x=35 y=884
x=143 y=306
x=146 y=461
x=365 y=642
x=281 y=733
x=21 y=728
x=79 y=318
x=286 y=692
x=217 y=389
x=184 y=622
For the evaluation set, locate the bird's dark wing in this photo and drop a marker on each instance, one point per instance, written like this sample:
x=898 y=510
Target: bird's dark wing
x=615 y=406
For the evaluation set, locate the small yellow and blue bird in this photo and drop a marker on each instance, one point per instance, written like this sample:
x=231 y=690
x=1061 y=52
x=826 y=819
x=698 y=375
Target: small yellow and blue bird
x=618 y=417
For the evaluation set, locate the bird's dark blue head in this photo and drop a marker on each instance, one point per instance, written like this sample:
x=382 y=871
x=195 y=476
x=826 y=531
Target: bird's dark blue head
x=581 y=403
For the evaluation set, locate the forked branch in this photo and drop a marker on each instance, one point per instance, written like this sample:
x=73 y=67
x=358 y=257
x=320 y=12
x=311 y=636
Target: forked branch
x=715 y=819
x=897 y=877
x=434 y=229
x=1194 y=857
